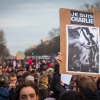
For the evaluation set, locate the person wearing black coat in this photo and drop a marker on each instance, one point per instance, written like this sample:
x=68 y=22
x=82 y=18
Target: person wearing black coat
x=56 y=86
x=86 y=86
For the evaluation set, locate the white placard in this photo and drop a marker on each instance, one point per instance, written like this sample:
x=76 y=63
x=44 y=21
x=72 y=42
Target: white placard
x=66 y=78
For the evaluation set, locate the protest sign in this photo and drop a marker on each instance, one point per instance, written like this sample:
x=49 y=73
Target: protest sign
x=79 y=42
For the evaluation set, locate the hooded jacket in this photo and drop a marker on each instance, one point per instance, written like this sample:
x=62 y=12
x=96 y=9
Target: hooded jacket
x=4 y=94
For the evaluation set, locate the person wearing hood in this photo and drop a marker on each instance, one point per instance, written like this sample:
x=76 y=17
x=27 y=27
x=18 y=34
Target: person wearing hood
x=4 y=93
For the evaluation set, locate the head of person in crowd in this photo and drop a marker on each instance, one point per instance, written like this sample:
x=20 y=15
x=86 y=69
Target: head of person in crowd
x=10 y=69
x=43 y=61
x=4 y=93
x=6 y=68
x=3 y=83
x=27 y=63
x=42 y=67
x=27 y=91
x=3 y=76
x=4 y=71
x=36 y=76
x=12 y=78
x=26 y=74
x=43 y=79
x=1 y=72
x=0 y=66
x=88 y=87
x=50 y=72
x=19 y=73
x=12 y=81
x=24 y=69
x=87 y=83
x=74 y=83
x=29 y=78
x=20 y=81
x=30 y=69
x=71 y=95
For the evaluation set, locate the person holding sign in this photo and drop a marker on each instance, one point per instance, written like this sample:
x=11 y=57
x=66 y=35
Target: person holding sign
x=85 y=85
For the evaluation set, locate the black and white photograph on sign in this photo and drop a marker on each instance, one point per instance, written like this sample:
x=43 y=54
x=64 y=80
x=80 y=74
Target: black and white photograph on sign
x=82 y=49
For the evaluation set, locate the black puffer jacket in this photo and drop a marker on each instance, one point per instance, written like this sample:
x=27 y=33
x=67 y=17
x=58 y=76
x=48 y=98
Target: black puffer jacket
x=44 y=92
x=56 y=86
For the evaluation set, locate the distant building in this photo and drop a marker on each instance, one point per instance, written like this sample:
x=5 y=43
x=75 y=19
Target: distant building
x=45 y=40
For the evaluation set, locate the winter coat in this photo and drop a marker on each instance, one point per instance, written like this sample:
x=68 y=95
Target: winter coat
x=44 y=92
x=56 y=86
x=4 y=94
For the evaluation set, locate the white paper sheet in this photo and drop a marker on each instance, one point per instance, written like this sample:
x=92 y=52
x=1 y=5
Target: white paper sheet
x=66 y=78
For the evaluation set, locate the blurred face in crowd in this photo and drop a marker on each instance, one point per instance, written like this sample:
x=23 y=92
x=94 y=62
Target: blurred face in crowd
x=6 y=67
x=24 y=70
x=20 y=73
x=0 y=72
x=44 y=61
x=27 y=63
x=13 y=80
x=0 y=66
x=30 y=95
x=30 y=68
x=10 y=69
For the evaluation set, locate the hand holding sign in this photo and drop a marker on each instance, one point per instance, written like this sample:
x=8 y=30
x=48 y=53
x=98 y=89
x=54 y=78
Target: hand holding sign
x=59 y=58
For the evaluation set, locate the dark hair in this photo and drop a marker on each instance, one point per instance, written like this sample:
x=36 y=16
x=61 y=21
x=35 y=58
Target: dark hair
x=71 y=95
x=98 y=84
x=3 y=83
x=26 y=74
x=87 y=83
x=23 y=85
x=29 y=67
x=20 y=80
x=12 y=74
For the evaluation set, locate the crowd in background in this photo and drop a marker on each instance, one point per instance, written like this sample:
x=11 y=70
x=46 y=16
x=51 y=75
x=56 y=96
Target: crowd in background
x=39 y=79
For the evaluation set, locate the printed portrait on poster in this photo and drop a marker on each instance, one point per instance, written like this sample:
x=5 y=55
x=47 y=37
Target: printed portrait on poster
x=82 y=49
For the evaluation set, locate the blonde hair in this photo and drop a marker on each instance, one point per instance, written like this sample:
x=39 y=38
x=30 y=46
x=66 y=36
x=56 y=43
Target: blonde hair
x=50 y=72
x=43 y=79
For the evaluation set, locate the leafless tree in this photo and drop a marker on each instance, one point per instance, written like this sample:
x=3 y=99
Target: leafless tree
x=95 y=7
x=51 y=48
x=4 y=52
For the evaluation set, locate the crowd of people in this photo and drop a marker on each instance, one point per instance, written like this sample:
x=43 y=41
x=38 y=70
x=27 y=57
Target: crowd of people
x=40 y=79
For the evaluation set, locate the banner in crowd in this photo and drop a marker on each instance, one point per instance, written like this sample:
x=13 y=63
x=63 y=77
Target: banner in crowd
x=20 y=55
x=79 y=42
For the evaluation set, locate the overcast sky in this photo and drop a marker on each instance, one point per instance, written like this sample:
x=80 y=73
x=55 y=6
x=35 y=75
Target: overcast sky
x=26 y=22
